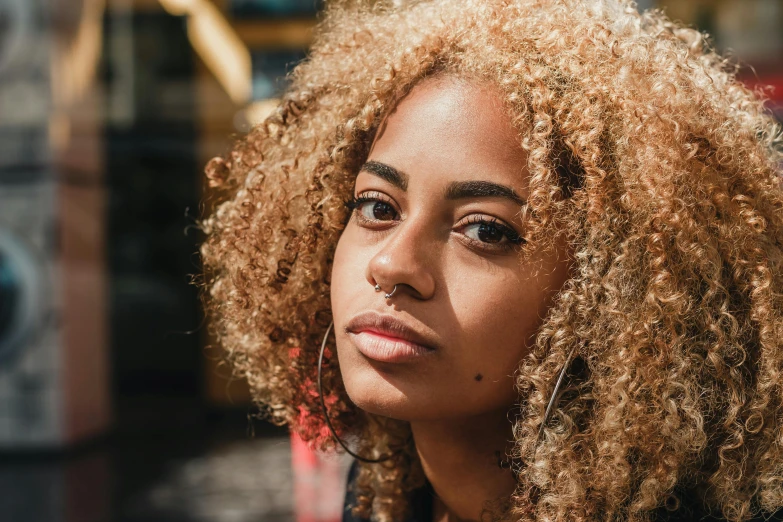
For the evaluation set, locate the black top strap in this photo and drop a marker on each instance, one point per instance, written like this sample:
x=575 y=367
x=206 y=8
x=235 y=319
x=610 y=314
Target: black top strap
x=421 y=500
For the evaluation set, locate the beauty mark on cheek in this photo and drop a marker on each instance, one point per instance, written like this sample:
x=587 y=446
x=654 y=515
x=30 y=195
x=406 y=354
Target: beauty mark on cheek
x=478 y=377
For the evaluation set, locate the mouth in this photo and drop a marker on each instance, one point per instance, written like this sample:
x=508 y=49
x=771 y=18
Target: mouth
x=385 y=338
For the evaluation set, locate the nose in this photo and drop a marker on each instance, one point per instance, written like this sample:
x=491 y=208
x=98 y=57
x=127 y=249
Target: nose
x=405 y=259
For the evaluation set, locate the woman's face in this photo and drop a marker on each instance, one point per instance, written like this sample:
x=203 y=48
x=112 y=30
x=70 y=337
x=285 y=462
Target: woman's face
x=438 y=214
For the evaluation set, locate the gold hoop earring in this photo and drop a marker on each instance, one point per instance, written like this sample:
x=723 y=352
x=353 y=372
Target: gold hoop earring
x=326 y=414
x=553 y=398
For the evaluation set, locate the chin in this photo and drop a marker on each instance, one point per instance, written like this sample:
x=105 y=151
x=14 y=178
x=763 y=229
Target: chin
x=375 y=394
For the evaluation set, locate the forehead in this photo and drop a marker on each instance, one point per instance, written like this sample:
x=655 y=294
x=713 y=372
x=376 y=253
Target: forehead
x=452 y=125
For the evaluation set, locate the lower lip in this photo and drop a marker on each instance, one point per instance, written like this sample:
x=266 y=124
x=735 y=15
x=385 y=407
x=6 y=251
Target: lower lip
x=383 y=348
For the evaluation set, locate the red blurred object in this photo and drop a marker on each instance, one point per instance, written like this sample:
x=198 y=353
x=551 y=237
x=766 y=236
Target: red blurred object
x=775 y=94
x=767 y=76
x=319 y=483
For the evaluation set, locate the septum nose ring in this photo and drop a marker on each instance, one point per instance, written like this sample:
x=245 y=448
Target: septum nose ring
x=378 y=289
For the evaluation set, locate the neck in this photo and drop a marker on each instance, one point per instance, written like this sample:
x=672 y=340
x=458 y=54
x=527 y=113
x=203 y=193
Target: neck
x=460 y=460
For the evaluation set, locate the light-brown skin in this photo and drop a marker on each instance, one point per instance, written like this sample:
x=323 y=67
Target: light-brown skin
x=480 y=308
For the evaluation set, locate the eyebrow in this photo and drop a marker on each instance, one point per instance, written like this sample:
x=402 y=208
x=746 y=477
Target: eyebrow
x=388 y=173
x=482 y=189
x=456 y=189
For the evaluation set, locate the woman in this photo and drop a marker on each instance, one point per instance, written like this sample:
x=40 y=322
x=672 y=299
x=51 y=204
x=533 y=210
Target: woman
x=538 y=246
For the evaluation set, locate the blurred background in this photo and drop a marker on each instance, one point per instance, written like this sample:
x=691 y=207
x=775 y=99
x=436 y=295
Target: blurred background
x=113 y=404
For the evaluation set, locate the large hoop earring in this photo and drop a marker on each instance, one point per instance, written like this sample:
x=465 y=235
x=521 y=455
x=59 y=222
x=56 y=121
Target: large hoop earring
x=326 y=414
x=553 y=398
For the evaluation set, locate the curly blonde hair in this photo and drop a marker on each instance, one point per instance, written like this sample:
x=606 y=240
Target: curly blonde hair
x=664 y=170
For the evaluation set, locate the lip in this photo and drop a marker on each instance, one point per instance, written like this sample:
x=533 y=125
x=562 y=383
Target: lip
x=385 y=338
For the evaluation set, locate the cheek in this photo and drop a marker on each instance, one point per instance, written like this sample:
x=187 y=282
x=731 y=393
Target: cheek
x=497 y=316
x=347 y=277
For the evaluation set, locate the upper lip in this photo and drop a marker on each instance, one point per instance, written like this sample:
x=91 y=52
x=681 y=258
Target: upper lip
x=390 y=326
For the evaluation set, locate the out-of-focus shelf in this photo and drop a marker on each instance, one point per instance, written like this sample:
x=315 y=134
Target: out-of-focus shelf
x=255 y=33
x=275 y=33
x=146 y=5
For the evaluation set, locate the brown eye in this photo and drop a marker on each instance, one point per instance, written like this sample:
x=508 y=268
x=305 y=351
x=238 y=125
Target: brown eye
x=485 y=232
x=372 y=208
x=490 y=234
x=377 y=210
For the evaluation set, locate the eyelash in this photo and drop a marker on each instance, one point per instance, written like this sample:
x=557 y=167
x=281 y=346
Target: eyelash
x=513 y=238
x=354 y=203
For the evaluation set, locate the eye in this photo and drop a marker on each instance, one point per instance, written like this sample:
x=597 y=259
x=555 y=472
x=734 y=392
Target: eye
x=490 y=234
x=485 y=232
x=372 y=207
